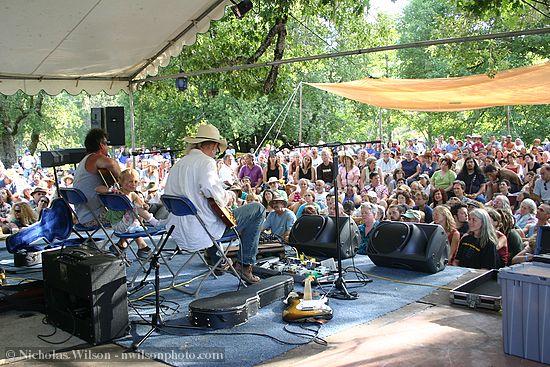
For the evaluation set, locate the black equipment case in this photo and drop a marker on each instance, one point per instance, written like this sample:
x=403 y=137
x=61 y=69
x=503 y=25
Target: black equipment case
x=483 y=291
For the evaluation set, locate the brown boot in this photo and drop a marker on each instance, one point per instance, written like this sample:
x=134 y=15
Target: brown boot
x=245 y=272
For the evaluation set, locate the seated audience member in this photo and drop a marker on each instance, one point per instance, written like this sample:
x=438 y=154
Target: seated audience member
x=267 y=196
x=541 y=191
x=348 y=173
x=350 y=196
x=496 y=175
x=297 y=197
x=474 y=180
x=395 y=212
x=306 y=170
x=421 y=203
x=281 y=219
x=526 y=214
x=21 y=216
x=309 y=198
x=502 y=244
x=331 y=203
x=324 y=169
x=366 y=229
x=428 y=165
x=413 y=216
x=410 y=166
x=398 y=179
x=444 y=177
x=529 y=182
x=543 y=219
x=321 y=196
x=500 y=201
x=439 y=197
x=36 y=195
x=527 y=253
x=253 y=171
x=273 y=169
x=460 y=215
x=513 y=238
x=377 y=187
x=458 y=191
x=367 y=171
x=442 y=216
x=43 y=203
x=478 y=249
x=252 y=198
x=310 y=210
x=274 y=185
x=424 y=181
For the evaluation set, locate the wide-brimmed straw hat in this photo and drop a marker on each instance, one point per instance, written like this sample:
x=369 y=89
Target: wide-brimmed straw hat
x=207 y=132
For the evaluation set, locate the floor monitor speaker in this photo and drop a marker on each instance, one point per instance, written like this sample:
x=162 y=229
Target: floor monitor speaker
x=315 y=235
x=413 y=246
x=85 y=293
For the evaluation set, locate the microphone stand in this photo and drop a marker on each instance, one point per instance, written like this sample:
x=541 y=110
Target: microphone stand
x=341 y=291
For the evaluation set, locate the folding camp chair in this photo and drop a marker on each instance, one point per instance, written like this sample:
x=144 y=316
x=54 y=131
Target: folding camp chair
x=182 y=206
x=74 y=196
x=119 y=202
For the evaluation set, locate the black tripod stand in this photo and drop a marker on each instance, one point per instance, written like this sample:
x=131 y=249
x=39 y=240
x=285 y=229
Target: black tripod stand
x=156 y=322
x=340 y=289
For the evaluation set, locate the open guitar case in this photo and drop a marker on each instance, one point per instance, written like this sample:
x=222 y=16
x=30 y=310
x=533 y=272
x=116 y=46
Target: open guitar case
x=55 y=224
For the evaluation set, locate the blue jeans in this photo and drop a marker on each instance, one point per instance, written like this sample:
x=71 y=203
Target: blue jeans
x=250 y=218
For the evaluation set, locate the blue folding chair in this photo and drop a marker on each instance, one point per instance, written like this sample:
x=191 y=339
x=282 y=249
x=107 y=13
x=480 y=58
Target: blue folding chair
x=74 y=196
x=119 y=202
x=182 y=206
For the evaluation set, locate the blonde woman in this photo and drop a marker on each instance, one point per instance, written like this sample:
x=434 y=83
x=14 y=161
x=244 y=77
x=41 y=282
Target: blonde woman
x=442 y=216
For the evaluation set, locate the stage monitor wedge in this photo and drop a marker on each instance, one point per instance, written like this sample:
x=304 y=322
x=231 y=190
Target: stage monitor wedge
x=413 y=246
x=315 y=235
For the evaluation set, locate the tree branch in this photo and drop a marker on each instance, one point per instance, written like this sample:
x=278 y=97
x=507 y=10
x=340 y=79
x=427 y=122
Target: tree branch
x=277 y=55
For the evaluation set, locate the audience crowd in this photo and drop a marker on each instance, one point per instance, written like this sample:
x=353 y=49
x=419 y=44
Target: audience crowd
x=490 y=196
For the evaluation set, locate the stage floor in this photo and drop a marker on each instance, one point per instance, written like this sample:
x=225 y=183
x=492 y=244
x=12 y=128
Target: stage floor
x=430 y=332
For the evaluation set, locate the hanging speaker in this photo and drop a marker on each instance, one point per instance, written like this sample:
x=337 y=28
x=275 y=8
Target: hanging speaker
x=413 y=246
x=315 y=235
x=114 y=125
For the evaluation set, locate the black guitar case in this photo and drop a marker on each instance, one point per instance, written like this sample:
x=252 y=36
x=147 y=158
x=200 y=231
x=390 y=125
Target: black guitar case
x=229 y=309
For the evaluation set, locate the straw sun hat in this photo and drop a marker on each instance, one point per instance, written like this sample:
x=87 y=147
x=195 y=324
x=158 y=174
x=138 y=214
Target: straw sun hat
x=207 y=132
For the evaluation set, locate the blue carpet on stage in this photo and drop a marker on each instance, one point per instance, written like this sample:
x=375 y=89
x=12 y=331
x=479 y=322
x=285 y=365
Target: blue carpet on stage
x=263 y=337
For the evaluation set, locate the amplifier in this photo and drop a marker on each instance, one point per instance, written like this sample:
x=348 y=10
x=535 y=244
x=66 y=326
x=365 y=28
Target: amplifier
x=85 y=293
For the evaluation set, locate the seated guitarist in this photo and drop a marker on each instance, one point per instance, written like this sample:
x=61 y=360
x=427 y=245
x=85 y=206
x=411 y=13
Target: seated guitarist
x=87 y=176
x=196 y=177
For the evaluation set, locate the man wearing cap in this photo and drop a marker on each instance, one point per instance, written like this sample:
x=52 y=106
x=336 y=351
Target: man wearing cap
x=273 y=185
x=87 y=177
x=196 y=177
x=412 y=216
x=281 y=219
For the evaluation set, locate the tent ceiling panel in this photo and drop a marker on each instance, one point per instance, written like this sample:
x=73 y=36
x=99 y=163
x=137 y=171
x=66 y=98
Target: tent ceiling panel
x=527 y=85
x=94 y=45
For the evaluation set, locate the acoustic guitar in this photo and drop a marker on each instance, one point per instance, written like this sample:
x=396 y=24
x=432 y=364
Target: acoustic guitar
x=223 y=213
x=108 y=178
x=303 y=308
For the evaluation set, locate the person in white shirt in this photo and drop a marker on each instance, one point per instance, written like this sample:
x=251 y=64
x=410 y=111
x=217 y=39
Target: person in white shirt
x=226 y=172
x=196 y=177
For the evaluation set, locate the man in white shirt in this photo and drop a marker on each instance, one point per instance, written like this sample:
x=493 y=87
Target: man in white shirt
x=196 y=176
x=542 y=185
x=387 y=164
x=226 y=172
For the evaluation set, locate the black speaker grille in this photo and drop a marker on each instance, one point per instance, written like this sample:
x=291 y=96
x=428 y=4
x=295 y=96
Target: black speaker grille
x=389 y=237
x=307 y=228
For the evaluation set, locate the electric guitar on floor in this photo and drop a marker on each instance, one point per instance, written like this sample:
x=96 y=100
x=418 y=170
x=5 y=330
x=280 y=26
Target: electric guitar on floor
x=303 y=308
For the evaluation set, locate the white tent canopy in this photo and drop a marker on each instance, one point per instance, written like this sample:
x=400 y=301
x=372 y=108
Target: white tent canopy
x=94 y=45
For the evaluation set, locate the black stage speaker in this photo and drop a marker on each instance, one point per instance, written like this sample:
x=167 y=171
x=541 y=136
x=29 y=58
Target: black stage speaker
x=413 y=246
x=110 y=119
x=315 y=235
x=85 y=293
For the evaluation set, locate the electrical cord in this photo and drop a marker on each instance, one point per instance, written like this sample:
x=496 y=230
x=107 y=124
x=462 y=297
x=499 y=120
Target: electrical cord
x=43 y=337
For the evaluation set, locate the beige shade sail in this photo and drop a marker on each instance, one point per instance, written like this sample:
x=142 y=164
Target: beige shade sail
x=522 y=86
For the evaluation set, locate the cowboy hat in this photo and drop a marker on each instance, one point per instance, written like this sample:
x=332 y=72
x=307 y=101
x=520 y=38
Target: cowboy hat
x=207 y=132
x=276 y=198
x=272 y=179
x=38 y=189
